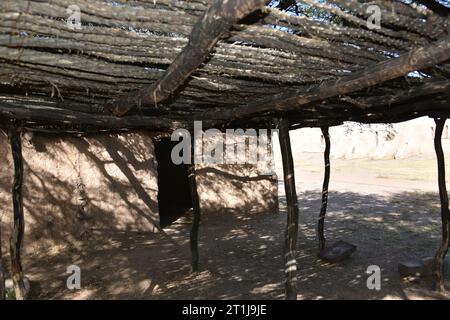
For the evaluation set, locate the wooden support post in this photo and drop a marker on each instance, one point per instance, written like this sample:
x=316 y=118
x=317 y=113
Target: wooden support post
x=292 y=212
x=15 y=242
x=326 y=181
x=2 y=272
x=438 y=269
x=196 y=211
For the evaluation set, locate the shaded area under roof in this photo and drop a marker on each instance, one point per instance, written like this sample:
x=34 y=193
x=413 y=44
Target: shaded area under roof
x=54 y=77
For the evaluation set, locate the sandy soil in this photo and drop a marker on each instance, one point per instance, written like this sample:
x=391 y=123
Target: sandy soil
x=388 y=219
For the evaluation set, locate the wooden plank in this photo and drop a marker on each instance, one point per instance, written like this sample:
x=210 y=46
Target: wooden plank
x=15 y=242
x=290 y=246
x=326 y=181
x=438 y=269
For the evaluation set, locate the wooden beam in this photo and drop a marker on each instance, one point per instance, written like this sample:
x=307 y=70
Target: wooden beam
x=15 y=242
x=326 y=181
x=425 y=91
x=46 y=115
x=210 y=28
x=290 y=246
x=417 y=59
x=438 y=269
x=196 y=211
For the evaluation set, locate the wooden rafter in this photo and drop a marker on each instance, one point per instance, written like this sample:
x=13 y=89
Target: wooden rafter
x=417 y=59
x=210 y=28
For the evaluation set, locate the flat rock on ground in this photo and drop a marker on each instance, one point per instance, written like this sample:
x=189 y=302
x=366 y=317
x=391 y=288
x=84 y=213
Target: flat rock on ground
x=337 y=252
x=418 y=267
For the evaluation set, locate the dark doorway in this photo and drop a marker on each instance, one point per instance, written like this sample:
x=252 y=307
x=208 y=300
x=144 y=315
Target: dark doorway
x=174 y=196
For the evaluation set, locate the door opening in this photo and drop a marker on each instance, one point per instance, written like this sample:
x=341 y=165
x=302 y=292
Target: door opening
x=174 y=195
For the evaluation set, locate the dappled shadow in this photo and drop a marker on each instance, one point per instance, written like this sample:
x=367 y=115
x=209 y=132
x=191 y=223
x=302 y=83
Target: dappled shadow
x=241 y=258
x=74 y=186
x=236 y=187
x=92 y=202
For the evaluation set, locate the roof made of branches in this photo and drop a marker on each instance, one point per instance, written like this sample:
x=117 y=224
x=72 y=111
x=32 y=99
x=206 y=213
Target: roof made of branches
x=161 y=64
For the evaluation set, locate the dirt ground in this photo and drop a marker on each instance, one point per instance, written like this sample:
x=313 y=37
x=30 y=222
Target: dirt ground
x=389 y=219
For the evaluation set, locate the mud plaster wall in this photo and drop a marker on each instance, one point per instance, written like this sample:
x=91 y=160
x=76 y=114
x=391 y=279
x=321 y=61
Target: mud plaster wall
x=74 y=187
x=236 y=188
x=247 y=188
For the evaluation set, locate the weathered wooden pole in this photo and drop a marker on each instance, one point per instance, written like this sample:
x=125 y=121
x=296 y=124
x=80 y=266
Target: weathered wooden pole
x=326 y=181
x=196 y=210
x=438 y=269
x=15 y=242
x=290 y=261
x=2 y=272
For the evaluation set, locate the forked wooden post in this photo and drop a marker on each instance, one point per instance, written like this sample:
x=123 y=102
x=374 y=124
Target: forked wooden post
x=290 y=261
x=438 y=269
x=326 y=181
x=196 y=211
x=15 y=242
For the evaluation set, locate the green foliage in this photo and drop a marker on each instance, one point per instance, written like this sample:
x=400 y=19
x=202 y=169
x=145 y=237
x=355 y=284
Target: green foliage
x=298 y=8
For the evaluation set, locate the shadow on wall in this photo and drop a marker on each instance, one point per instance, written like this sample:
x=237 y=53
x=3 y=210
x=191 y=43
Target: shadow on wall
x=243 y=258
x=73 y=186
x=231 y=188
x=76 y=186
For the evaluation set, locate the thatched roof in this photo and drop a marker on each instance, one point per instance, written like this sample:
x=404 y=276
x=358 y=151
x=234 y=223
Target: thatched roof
x=231 y=63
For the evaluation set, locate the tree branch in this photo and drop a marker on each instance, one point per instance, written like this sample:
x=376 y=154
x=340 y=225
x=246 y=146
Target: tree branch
x=211 y=27
x=417 y=59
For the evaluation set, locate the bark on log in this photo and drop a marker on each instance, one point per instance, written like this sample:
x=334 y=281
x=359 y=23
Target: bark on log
x=421 y=58
x=211 y=27
x=15 y=242
x=438 y=269
x=60 y=116
x=292 y=212
x=326 y=181
x=196 y=211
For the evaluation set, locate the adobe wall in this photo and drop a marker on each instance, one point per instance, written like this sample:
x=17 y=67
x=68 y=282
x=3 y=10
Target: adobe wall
x=76 y=186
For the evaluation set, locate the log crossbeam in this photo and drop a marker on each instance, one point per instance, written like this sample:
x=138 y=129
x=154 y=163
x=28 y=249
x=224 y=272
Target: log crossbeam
x=210 y=28
x=416 y=59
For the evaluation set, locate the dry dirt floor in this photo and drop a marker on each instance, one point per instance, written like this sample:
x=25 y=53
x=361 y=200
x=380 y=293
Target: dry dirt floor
x=388 y=209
